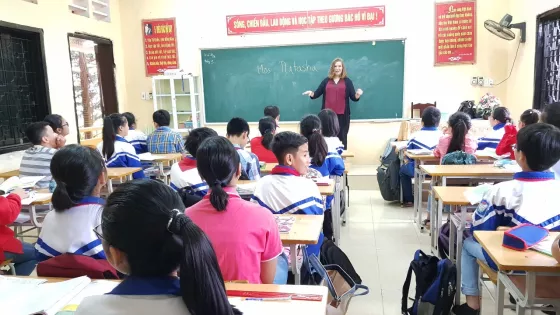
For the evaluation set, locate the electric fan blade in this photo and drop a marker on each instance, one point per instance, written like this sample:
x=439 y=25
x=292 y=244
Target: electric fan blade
x=498 y=30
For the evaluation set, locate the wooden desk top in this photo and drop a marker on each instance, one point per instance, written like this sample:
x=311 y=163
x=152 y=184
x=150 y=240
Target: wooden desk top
x=509 y=259
x=324 y=190
x=120 y=172
x=306 y=230
x=451 y=195
x=480 y=155
x=9 y=174
x=42 y=201
x=268 y=168
x=347 y=154
x=167 y=157
x=477 y=170
x=92 y=143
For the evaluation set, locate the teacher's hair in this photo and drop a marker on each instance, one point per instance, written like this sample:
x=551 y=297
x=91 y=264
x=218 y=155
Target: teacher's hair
x=150 y=213
x=331 y=69
x=310 y=127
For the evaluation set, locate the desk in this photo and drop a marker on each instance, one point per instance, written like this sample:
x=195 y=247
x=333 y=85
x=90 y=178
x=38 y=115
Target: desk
x=92 y=143
x=34 y=221
x=479 y=128
x=119 y=173
x=267 y=168
x=162 y=160
x=9 y=174
x=324 y=190
x=538 y=286
x=419 y=160
x=347 y=154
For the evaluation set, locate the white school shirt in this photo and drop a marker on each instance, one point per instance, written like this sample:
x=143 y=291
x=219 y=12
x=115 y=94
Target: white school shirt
x=426 y=138
x=71 y=231
x=556 y=170
x=492 y=139
x=123 y=156
x=185 y=175
x=138 y=140
x=334 y=145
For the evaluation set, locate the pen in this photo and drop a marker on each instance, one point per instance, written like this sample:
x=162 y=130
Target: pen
x=287 y=298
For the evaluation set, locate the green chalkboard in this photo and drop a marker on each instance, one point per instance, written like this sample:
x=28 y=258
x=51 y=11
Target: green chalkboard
x=242 y=81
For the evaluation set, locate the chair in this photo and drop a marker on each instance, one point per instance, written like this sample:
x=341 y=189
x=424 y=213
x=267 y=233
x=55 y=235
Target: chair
x=419 y=106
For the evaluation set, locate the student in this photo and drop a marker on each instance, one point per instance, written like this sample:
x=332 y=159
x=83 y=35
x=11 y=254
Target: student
x=22 y=254
x=329 y=122
x=556 y=249
x=514 y=202
x=505 y=147
x=37 y=159
x=171 y=266
x=499 y=118
x=285 y=191
x=80 y=174
x=248 y=245
x=60 y=126
x=136 y=137
x=238 y=135
x=274 y=112
x=164 y=140
x=457 y=137
x=184 y=175
x=324 y=163
x=426 y=138
x=551 y=115
x=260 y=146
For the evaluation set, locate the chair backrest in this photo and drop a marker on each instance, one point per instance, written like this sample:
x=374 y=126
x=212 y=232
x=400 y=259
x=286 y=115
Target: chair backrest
x=420 y=106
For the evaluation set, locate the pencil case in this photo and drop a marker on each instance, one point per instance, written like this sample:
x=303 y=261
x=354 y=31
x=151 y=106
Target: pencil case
x=524 y=236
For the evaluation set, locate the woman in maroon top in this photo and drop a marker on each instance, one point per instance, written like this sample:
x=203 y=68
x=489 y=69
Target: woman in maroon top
x=337 y=91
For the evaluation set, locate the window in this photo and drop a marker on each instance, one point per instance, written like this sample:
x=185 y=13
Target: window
x=547 y=60
x=23 y=84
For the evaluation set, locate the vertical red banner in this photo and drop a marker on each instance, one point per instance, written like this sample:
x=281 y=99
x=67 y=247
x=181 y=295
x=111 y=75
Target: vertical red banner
x=455 y=32
x=160 y=45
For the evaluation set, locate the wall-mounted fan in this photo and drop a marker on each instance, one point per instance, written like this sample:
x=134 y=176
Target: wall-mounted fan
x=503 y=29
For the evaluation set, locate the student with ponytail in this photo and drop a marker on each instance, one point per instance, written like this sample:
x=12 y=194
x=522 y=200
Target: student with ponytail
x=498 y=120
x=260 y=146
x=244 y=235
x=114 y=148
x=457 y=137
x=505 y=147
x=80 y=174
x=171 y=266
x=330 y=130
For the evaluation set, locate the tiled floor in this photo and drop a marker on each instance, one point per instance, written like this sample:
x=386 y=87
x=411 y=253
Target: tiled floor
x=380 y=239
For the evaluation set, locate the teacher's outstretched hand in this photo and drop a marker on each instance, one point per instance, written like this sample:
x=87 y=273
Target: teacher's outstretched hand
x=337 y=91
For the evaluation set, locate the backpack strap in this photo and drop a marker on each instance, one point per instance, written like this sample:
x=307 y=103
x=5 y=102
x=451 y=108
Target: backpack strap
x=405 y=289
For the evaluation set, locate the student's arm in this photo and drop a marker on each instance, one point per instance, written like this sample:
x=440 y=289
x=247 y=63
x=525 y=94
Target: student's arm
x=336 y=165
x=486 y=217
x=556 y=249
x=132 y=160
x=268 y=271
x=509 y=139
x=320 y=89
x=179 y=144
x=441 y=148
x=10 y=207
x=272 y=249
x=470 y=144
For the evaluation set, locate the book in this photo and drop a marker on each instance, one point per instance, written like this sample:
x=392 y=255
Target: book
x=474 y=195
x=19 y=182
x=146 y=156
x=34 y=296
x=322 y=181
x=285 y=223
x=420 y=151
x=544 y=246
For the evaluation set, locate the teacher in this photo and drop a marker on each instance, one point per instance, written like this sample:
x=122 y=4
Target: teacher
x=337 y=90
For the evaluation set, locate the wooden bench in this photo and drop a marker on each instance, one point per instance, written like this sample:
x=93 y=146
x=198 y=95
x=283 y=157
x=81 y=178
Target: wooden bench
x=492 y=275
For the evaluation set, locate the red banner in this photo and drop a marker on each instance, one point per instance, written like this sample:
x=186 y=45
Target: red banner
x=455 y=32
x=305 y=20
x=160 y=45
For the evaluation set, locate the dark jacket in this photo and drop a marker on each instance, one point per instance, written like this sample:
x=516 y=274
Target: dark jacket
x=350 y=93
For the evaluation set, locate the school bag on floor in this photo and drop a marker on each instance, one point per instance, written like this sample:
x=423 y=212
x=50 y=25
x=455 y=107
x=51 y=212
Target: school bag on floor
x=388 y=173
x=443 y=240
x=436 y=284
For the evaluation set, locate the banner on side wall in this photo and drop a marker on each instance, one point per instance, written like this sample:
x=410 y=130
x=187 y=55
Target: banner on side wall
x=305 y=20
x=160 y=45
x=455 y=32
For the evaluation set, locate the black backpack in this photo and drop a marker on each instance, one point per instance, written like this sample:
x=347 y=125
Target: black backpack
x=388 y=173
x=189 y=199
x=436 y=284
x=443 y=240
x=468 y=107
x=333 y=255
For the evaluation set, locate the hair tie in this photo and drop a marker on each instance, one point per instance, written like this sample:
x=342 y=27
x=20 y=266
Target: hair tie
x=218 y=182
x=267 y=131
x=316 y=130
x=174 y=214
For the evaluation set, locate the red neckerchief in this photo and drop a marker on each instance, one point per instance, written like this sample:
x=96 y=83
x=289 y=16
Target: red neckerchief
x=284 y=170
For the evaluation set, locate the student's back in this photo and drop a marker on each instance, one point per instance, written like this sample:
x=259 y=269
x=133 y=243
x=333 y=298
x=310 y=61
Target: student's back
x=330 y=129
x=37 y=159
x=260 y=146
x=164 y=140
x=551 y=115
x=238 y=134
x=498 y=120
x=135 y=137
x=79 y=174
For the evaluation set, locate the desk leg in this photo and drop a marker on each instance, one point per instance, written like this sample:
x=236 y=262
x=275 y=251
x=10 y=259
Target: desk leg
x=346 y=189
x=499 y=301
x=437 y=224
x=110 y=185
x=433 y=214
x=453 y=232
x=418 y=197
x=460 y=230
x=335 y=208
x=434 y=227
x=530 y=287
x=295 y=269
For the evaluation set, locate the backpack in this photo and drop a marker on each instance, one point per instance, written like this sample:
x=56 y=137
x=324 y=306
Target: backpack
x=388 y=173
x=333 y=255
x=188 y=198
x=468 y=108
x=436 y=284
x=443 y=240
x=458 y=158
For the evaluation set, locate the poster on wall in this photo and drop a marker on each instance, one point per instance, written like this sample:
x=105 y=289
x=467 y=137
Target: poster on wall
x=455 y=32
x=305 y=20
x=160 y=45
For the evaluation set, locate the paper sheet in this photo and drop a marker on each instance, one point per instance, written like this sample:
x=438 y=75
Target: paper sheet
x=246 y=189
x=474 y=195
x=266 y=307
x=544 y=246
x=97 y=287
x=146 y=156
x=420 y=151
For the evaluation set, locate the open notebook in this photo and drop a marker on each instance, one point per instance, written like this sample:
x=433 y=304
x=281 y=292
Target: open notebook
x=34 y=296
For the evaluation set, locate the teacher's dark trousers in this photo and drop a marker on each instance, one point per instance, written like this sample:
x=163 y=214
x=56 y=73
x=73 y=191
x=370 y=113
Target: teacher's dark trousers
x=344 y=124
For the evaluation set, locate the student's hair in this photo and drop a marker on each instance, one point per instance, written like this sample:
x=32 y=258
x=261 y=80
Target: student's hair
x=551 y=114
x=217 y=163
x=267 y=126
x=530 y=116
x=144 y=219
x=286 y=142
x=36 y=131
x=111 y=126
x=130 y=118
x=431 y=116
x=502 y=115
x=331 y=69
x=460 y=124
x=310 y=127
x=55 y=121
x=161 y=117
x=272 y=111
x=237 y=126
x=75 y=169
x=329 y=122
x=541 y=145
x=195 y=138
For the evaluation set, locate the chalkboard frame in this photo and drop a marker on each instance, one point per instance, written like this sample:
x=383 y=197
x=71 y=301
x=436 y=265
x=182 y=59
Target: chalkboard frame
x=372 y=120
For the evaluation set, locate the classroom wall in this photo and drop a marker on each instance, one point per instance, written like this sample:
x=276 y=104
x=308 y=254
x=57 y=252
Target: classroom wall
x=204 y=27
x=520 y=86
